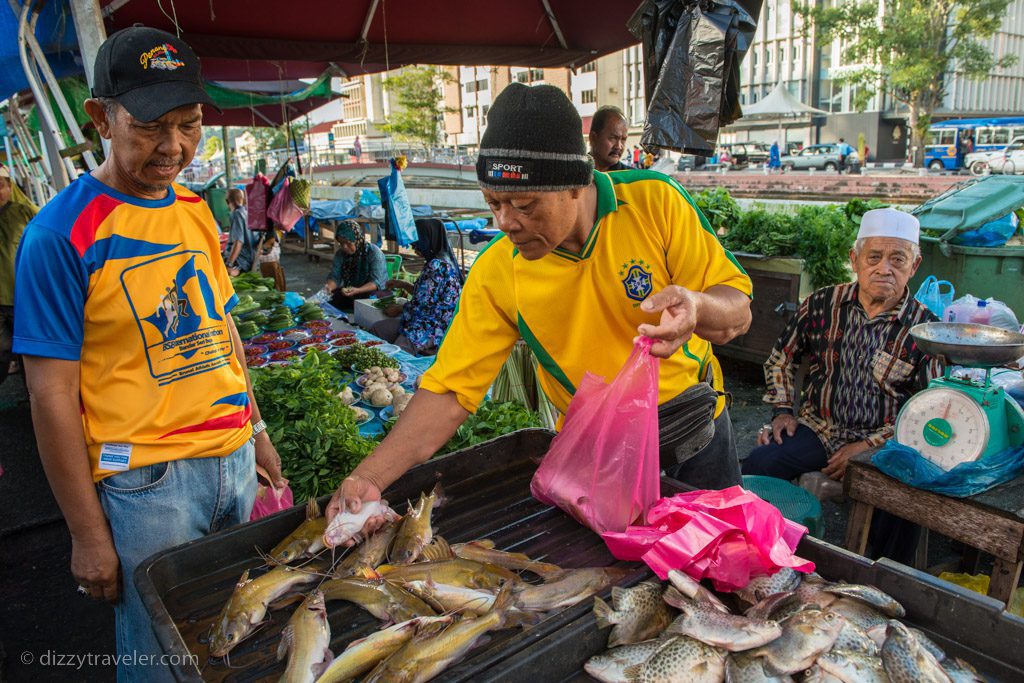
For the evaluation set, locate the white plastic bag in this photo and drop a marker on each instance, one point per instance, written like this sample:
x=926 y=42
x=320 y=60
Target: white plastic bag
x=969 y=309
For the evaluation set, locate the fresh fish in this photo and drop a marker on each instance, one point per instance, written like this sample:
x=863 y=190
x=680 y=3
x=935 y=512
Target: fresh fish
x=853 y=639
x=853 y=667
x=742 y=668
x=445 y=598
x=811 y=592
x=364 y=654
x=369 y=554
x=871 y=596
x=348 y=525
x=928 y=644
x=485 y=552
x=636 y=613
x=415 y=532
x=382 y=599
x=907 y=661
x=249 y=602
x=805 y=635
x=459 y=572
x=860 y=614
x=960 y=671
x=307 y=539
x=576 y=585
x=818 y=675
x=680 y=659
x=760 y=588
x=730 y=631
x=610 y=666
x=306 y=641
x=423 y=658
x=693 y=590
x=771 y=604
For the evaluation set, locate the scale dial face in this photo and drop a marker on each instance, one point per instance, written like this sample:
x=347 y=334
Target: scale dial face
x=944 y=425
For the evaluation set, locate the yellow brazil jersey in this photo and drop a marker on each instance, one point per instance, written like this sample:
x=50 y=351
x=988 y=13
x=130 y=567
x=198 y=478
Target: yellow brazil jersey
x=579 y=312
x=136 y=292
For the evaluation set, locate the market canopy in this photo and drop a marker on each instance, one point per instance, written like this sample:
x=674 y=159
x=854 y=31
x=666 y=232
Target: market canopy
x=269 y=103
x=267 y=40
x=779 y=103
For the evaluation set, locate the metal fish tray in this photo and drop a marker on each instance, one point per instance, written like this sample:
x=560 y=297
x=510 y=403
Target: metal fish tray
x=185 y=587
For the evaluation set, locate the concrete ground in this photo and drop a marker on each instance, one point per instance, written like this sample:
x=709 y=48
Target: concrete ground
x=41 y=615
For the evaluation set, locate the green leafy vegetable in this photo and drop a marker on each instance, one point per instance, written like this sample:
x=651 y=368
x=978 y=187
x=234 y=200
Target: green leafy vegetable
x=718 y=207
x=492 y=419
x=360 y=357
x=314 y=432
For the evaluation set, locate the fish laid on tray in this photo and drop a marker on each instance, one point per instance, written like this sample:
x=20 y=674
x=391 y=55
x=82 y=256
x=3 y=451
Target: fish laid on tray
x=435 y=601
x=794 y=628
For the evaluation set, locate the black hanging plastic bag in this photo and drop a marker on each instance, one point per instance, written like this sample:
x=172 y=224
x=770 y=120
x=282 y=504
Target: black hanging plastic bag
x=692 y=52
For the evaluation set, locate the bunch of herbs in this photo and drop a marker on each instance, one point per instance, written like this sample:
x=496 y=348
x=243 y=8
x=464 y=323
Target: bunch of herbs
x=314 y=432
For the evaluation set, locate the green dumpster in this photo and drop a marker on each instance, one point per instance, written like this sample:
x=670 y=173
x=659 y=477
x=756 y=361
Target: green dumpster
x=996 y=272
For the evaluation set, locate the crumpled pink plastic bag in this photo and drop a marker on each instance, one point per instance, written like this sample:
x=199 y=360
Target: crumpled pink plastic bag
x=268 y=499
x=282 y=209
x=729 y=536
x=603 y=467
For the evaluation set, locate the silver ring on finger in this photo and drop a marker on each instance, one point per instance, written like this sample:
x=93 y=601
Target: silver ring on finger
x=82 y=590
x=766 y=428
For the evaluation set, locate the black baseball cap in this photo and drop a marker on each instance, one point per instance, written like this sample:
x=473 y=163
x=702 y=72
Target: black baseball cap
x=149 y=72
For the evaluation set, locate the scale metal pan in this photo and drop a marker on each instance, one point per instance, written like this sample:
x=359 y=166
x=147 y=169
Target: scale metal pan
x=979 y=346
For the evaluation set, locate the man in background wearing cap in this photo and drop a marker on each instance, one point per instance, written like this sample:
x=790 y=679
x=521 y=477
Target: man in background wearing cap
x=588 y=261
x=863 y=364
x=141 y=403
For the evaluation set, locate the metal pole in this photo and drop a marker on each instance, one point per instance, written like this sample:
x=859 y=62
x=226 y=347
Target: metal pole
x=227 y=156
x=88 y=18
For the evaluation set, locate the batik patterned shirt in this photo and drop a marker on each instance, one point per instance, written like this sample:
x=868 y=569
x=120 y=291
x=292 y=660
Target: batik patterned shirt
x=860 y=371
x=430 y=310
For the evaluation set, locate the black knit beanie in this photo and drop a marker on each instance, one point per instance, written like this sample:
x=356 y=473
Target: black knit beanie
x=533 y=142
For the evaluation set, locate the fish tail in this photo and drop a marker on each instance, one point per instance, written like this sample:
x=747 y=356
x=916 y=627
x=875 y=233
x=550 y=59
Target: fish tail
x=312 y=509
x=603 y=614
x=440 y=499
x=676 y=599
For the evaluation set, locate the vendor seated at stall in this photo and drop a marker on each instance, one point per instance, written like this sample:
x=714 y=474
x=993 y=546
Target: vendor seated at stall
x=863 y=364
x=419 y=325
x=359 y=269
x=587 y=262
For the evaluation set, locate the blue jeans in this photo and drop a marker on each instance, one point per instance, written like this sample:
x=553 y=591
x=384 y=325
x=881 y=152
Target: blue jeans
x=157 y=507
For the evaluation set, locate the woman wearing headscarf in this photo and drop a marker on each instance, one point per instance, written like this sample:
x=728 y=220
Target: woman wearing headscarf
x=419 y=325
x=359 y=268
x=15 y=212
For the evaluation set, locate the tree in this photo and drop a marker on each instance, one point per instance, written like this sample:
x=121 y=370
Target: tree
x=213 y=145
x=419 y=96
x=268 y=138
x=908 y=49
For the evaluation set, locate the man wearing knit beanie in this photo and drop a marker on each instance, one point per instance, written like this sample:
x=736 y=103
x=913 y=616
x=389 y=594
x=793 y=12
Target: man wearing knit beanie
x=588 y=261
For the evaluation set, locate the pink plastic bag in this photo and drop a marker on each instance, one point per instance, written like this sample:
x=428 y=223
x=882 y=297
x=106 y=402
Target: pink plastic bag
x=729 y=536
x=268 y=499
x=282 y=208
x=603 y=467
x=256 y=202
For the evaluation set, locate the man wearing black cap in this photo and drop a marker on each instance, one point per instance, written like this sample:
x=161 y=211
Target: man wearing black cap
x=140 y=398
x=588 y=261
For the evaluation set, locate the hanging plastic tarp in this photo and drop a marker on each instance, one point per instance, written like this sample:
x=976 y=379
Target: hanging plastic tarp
x=401 y=224
x=692 y=51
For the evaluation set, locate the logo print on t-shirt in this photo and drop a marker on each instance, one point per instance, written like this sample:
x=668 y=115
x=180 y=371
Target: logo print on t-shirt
x=636 y=278
x=181 y=322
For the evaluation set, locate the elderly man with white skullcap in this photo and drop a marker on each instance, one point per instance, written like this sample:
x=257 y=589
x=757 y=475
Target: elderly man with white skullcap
x=862 y=362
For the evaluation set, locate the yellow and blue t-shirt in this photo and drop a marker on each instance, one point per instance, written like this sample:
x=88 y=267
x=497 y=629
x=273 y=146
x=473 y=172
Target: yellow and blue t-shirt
x=579 y=311
x=136 y=292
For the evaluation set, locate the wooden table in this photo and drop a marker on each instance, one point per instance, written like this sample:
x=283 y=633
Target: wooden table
x=990 y=522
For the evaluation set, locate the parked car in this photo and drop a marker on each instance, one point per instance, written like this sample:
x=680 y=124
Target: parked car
x=976 y=162
x=689 y=162
x=1009 y=162
x=745 y=153
x=822 y=157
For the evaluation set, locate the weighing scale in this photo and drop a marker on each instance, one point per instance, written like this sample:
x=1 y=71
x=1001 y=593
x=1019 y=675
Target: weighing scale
x=958 y=420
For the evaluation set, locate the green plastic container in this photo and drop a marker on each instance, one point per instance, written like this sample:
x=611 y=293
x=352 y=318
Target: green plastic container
x=983 y=272
x=795 y=504
x=996 y=272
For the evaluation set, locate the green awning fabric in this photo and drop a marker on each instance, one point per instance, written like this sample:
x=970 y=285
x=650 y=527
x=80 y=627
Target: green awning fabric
x=228 y=98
